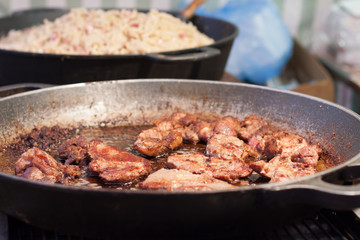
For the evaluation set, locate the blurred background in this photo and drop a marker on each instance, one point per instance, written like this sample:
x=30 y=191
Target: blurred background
x=312 y=45
x=302 y=17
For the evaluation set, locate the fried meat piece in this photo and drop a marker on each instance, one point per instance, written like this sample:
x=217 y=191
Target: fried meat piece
x=114 y=165
x=37 y=165
x=199 y=131
x=229 y=147
x=192 y=162
x=165 y=136
x=284 y=143
x=175 y=120
x=287 y=145
x=281 y=168
x=227 y=170
x=181 y=180
x=154 y=142
x=308 y=155
x=227 y=126
x=74 y=150
x=252 y=125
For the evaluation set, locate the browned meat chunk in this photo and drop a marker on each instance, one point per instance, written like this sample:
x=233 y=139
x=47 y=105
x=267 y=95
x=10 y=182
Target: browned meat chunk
x=199 y=131
x=154 y=142
x=252 y=125
x=229 y=148
x=181 y=180
x=74 y=150
x=114 y=165
x=37 y=165
x=260 y=142
x=165 y=136
x=177 y=119
x=280 y=169
x=228 y=170
x=71 y=172
x=227 y=126
x=308 y=155
x=287 y=145
x=193 y=162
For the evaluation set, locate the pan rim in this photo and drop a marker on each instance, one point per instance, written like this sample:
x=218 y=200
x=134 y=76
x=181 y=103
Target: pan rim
x=197 y=81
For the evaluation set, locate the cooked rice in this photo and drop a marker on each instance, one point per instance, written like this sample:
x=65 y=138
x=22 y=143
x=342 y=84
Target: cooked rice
x=98 y=32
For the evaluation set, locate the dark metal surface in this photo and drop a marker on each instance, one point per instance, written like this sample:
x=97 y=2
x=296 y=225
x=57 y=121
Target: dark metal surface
x=100 y=212
x=324 y=225
x=196 y=63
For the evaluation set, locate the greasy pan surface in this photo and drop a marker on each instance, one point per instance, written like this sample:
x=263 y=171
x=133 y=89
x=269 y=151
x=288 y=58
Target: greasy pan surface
x=120 y=213
x=196 y=63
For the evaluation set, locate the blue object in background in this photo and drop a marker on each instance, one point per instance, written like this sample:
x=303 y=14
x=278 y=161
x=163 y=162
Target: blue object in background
x=264 y=44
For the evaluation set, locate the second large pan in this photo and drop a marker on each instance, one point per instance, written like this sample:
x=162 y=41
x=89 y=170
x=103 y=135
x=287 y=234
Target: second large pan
x=206 y=62
x=106 y=212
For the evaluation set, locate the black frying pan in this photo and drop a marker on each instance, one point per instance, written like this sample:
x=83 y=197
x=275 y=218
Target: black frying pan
x=197 y=63
x=109 y=212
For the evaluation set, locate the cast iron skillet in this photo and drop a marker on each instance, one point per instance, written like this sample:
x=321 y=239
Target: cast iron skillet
x=106 y=212
x=206 y=62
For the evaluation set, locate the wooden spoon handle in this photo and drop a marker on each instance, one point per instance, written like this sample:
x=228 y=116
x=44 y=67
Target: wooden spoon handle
x=189 y=10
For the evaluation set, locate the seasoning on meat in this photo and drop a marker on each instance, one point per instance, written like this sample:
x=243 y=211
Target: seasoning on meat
x=197 y=163
x=181 y=180
x=165 y=136
x=37 y=165
x=74 y=150
x=114 y=165
x=45 y=138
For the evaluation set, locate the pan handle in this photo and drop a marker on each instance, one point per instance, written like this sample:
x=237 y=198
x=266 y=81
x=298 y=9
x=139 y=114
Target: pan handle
x=338 y=190
x=200 y=54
